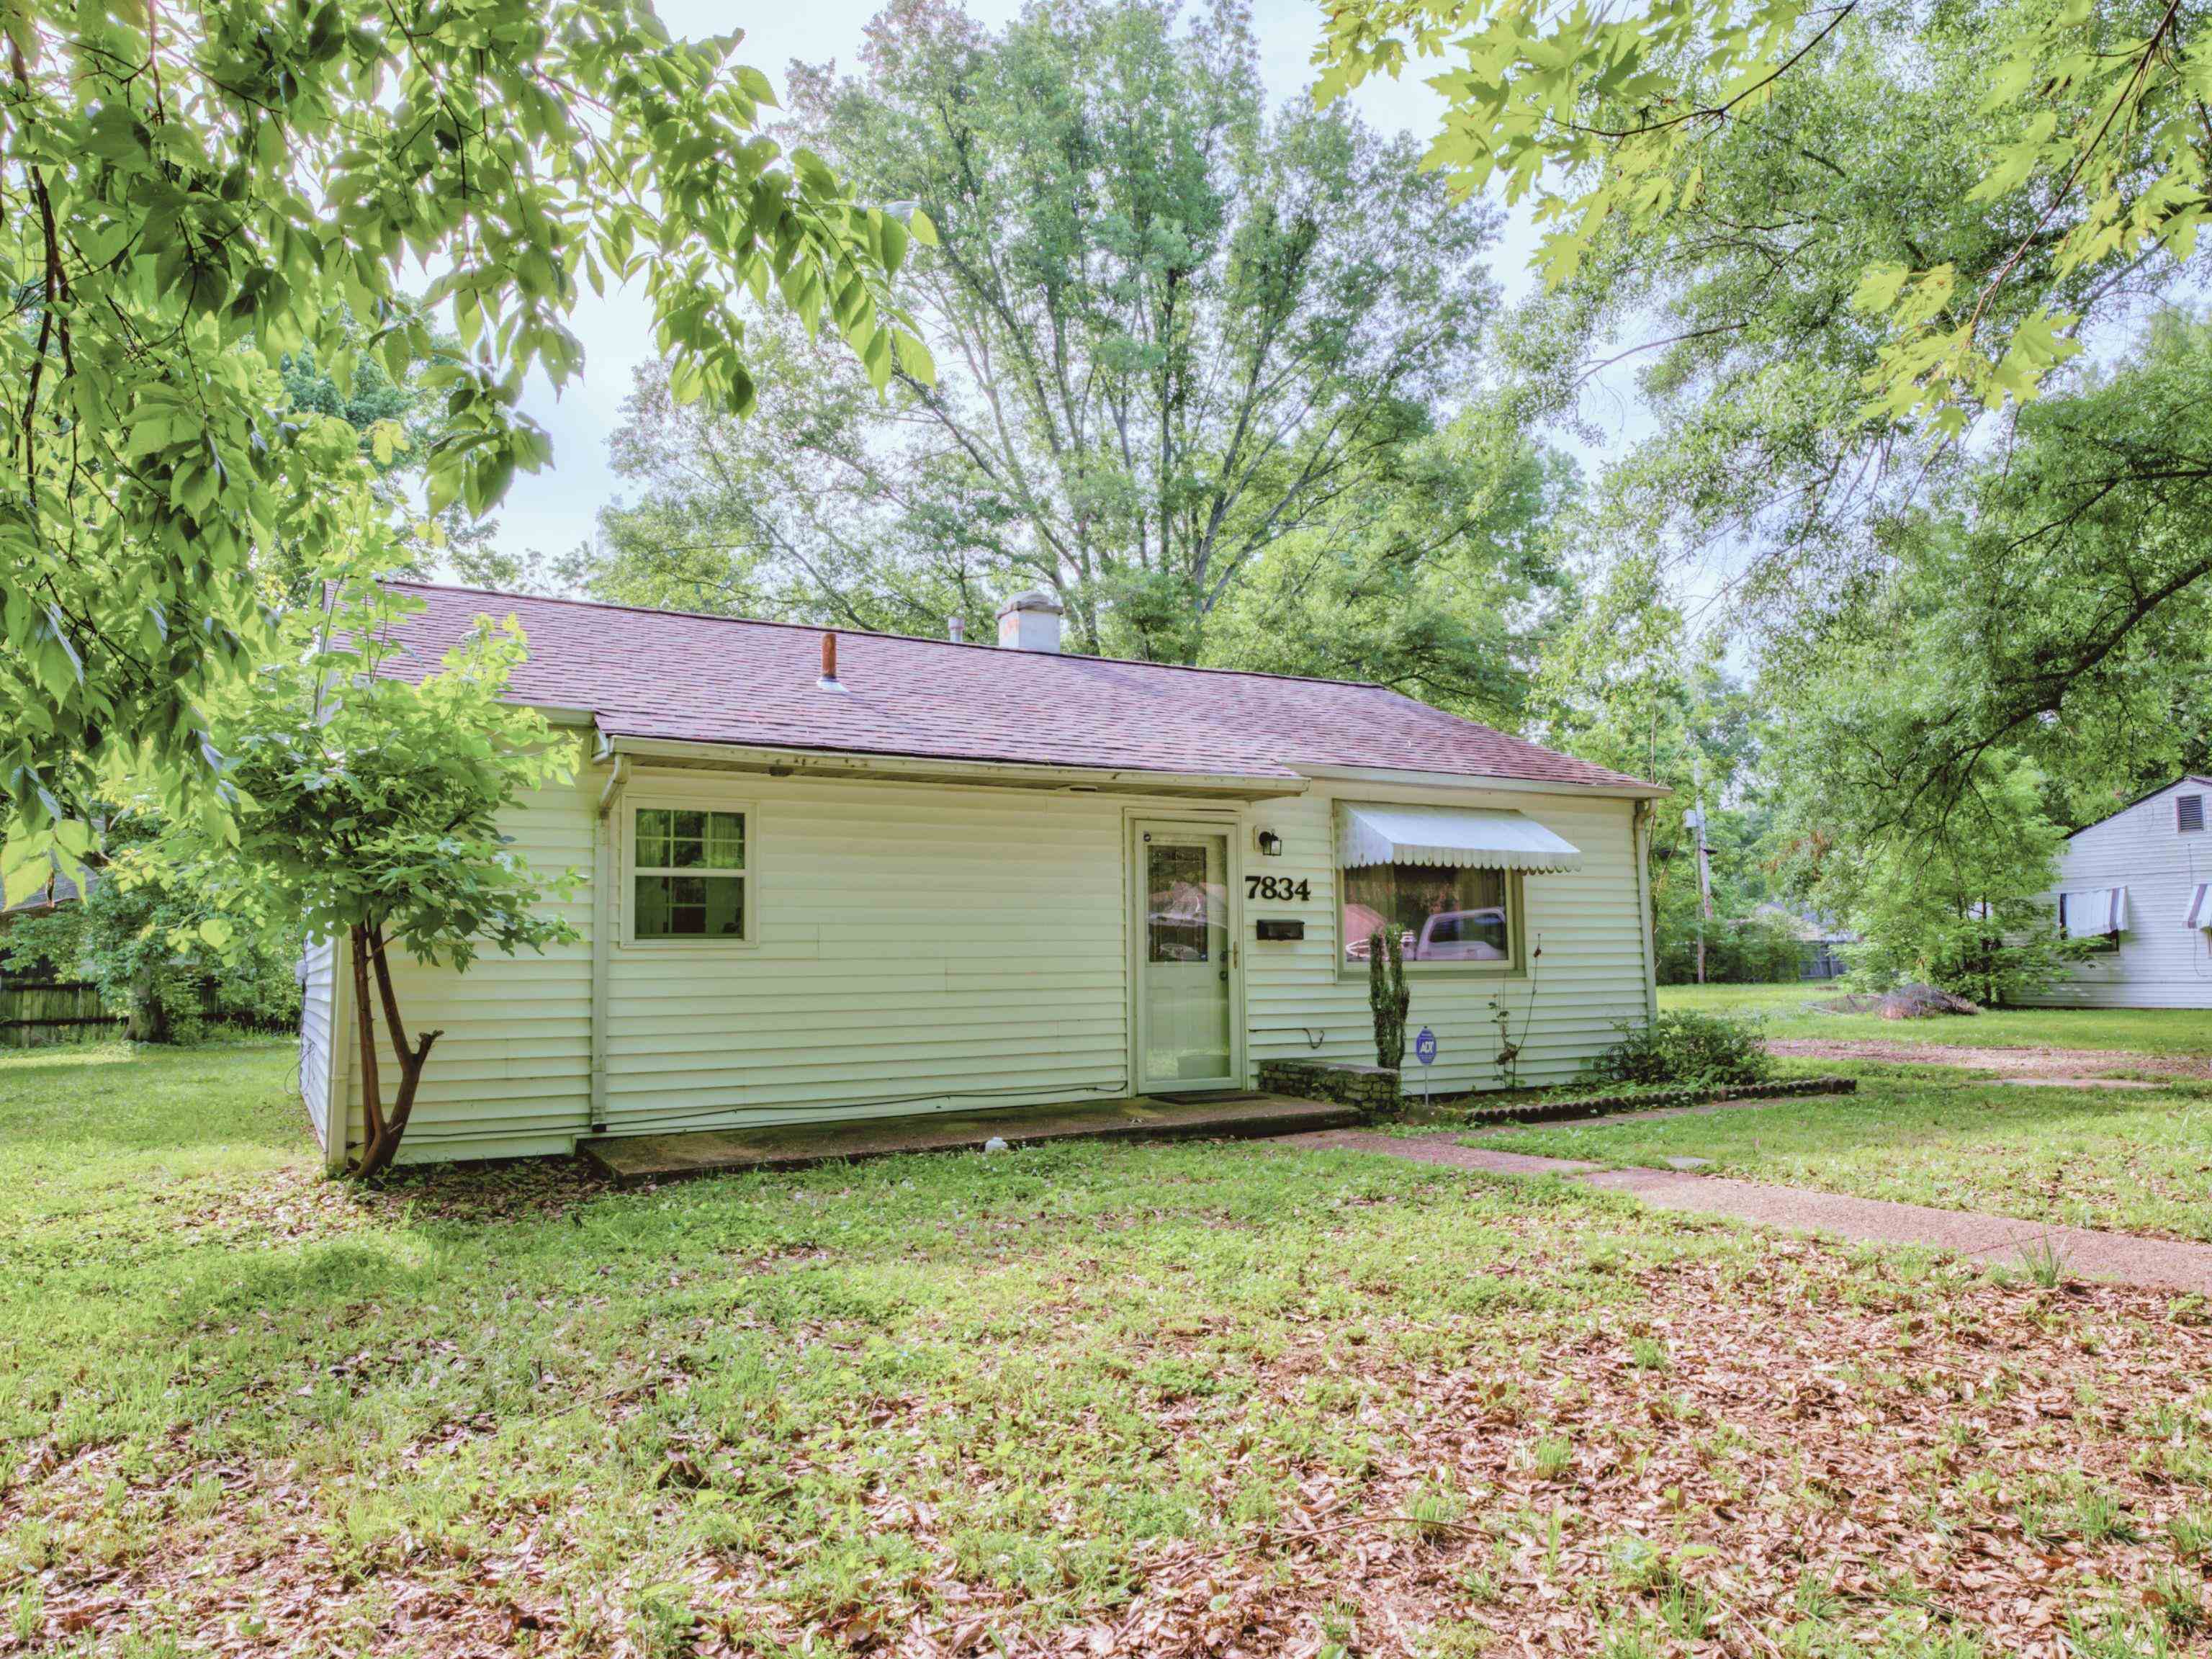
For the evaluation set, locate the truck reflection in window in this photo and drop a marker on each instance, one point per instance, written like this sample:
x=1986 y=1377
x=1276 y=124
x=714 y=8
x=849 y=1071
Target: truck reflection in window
x=1440 y=913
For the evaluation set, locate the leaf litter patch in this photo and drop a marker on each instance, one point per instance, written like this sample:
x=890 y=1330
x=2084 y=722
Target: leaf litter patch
x=1769 y=1448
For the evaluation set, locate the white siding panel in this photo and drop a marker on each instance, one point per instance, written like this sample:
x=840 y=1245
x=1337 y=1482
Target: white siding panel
x=926 y=947
x=512 y=1072
x=2160 y=963
x=1590 y=977
x=318 y=1009
x=918 y=948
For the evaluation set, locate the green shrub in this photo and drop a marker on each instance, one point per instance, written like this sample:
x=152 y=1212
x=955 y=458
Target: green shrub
x=1684 y=1048
x=137 y=933
x=1754 y=950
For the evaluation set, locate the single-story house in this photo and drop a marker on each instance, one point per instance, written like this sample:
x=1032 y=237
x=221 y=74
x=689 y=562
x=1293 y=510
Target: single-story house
x=836 y=875
x=2139 y=883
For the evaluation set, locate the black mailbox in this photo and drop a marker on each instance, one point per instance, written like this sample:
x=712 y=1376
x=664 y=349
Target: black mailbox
x=1280 y=927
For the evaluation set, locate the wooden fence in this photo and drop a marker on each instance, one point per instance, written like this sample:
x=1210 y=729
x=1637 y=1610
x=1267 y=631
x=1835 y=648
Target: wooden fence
x=36 y=1011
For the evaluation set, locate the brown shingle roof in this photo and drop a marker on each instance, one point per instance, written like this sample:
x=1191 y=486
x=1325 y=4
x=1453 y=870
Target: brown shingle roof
x=672 y=675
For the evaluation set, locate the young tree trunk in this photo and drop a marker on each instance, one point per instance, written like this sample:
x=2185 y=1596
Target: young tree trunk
x=149 y=1016
x=1387 y=997
x=382 y=1133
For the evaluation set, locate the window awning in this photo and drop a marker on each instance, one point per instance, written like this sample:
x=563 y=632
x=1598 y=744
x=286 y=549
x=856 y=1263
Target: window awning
x=2093 y=912
x=1457 y=835
x=2200 y=906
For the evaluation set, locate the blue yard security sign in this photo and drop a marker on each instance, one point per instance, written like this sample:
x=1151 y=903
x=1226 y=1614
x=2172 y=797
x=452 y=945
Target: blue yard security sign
x=1424 y=1050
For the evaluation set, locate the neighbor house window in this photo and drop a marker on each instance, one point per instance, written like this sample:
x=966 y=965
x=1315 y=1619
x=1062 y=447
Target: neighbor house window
x=2189 y=814
x=1441 y=913
x=688 y=870
x=2089 y=916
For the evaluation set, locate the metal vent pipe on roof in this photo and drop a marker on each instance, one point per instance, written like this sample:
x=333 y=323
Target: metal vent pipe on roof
x=828 y=660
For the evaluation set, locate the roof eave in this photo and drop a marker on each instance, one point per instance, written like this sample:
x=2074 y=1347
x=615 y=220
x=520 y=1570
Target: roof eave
x=789 y=762
x=1420 y=779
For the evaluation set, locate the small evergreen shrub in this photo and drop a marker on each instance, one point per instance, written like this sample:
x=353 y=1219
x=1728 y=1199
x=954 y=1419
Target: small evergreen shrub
x=1684 y=1048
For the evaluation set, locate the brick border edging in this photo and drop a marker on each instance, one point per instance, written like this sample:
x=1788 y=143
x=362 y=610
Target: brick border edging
x=1538 y=1111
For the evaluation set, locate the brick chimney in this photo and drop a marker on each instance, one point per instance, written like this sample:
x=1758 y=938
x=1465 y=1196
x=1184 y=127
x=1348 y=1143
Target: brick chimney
x=1030 y=622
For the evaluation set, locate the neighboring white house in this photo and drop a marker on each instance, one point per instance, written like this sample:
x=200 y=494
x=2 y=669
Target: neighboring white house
x=2137 y=883
x=834 y=875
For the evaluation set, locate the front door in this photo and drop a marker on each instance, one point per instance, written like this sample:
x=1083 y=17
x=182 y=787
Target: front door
x=1187 y=959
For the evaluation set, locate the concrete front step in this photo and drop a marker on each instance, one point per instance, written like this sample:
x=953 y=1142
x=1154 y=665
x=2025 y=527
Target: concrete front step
x=631 y=1159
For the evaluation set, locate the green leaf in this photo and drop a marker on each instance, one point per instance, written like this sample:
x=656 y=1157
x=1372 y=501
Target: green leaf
x=1879 y=287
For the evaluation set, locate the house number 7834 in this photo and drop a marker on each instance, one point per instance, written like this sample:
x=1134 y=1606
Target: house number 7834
x=1276 y=887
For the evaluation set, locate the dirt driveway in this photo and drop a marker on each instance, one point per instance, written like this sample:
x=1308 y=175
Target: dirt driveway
x=2007 y=1062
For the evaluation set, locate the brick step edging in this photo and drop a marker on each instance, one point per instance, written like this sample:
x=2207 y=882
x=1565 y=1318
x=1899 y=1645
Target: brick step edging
x=1540 y=1111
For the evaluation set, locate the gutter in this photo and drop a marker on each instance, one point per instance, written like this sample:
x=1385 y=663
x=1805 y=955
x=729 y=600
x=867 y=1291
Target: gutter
x=603 y=920
x=1464 y=781
x=925 y=769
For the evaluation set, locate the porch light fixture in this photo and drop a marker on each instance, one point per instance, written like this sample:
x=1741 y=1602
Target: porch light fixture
x=1271 y=844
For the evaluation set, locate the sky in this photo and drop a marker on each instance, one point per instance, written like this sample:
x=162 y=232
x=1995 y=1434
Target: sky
x=555 y=510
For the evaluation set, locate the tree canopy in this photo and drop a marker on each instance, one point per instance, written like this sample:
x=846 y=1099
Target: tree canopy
x=1188 y=347
x=1905 y=291
x=192 y=194
x=2086 y=153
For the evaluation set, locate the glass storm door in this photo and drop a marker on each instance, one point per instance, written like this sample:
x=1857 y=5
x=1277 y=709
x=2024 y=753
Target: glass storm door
x=1186 y=960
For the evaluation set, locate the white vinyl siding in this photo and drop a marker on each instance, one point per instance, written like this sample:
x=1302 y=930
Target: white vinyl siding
x=1588 y=924
x=512 y=1074
x=916 y=948
x=920 y=947
x=317 y=1012
x=2161 y=963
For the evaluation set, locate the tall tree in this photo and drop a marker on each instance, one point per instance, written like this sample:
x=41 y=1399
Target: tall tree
x=1174 y=330
x=191 y=192
x=1445 y=578
x=2050 y=515
x=1628 y=682
x=2050 y=608
x=401 y=421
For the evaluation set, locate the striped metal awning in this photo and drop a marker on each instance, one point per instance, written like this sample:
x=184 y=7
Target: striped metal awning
x=1461 y=836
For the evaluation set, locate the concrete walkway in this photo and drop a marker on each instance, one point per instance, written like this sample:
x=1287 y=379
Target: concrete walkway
x=2148 y=1263
x=2077 y=1082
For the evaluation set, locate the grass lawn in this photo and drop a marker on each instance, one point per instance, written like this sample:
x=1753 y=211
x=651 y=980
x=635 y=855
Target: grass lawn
x=2135 y=1161
x=1108 y=1399
x=1785 y=1011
